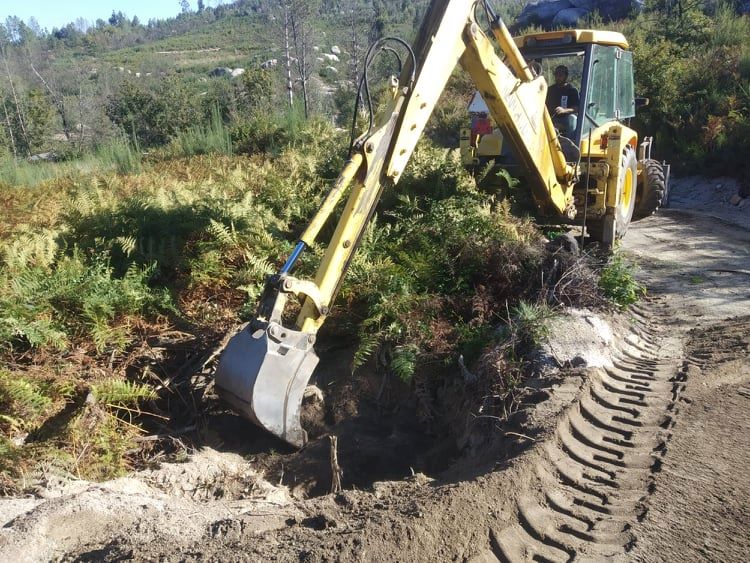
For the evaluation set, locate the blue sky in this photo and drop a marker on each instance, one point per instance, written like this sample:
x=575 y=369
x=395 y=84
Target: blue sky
x=57 y=13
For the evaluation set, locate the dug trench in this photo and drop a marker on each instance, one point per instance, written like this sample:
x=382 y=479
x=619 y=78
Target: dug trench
x=385 y=429
x=630 y=447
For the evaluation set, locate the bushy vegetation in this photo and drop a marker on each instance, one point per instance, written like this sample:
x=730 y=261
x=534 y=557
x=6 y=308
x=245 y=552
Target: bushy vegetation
x=438 y=266
x=95 y=267
x=692 y=60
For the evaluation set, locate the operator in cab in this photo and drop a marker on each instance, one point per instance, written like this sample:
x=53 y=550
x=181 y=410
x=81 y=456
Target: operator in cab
x=562 y=102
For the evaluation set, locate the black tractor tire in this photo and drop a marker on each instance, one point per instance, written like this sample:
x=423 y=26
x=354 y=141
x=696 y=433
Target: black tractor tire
x=614 y=225
x=652 y=190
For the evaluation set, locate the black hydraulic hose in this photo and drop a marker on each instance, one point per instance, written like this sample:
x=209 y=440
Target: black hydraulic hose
x=586 y=195
x=364 y=83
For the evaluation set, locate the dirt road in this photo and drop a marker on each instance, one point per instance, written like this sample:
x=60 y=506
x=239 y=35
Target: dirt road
x=697 y=254
x=641 y=456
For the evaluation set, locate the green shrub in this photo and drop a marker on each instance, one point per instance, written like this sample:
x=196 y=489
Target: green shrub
x=152 y=113
x=700 y=103
x=434 y=271
x=618 y=282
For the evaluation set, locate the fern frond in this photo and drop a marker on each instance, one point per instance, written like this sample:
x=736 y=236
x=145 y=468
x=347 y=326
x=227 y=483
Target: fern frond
x=226 y=235
x=257 y=266
x=26 y=400
x=120 y=393
x=368 y=343
x=404 y=362
x=127 y=245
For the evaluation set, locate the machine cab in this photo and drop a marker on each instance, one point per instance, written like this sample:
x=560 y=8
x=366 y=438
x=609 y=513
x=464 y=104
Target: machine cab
x=600 y=69
x=598 y=89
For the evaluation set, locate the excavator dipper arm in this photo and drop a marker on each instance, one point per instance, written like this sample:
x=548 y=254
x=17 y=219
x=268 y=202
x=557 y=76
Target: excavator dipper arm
x=265 y=368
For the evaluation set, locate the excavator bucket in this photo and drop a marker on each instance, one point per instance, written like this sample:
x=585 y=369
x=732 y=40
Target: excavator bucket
x=263 y=373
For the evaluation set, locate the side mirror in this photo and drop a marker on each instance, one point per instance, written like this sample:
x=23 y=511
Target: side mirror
x=641 y=102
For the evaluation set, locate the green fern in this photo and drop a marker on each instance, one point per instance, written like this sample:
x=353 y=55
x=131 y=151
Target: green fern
x=368 y=343
x=226 y=235
x=404 y=361
x=258 y=267
x=128 y=244
x=25 y=400
x=120 y=393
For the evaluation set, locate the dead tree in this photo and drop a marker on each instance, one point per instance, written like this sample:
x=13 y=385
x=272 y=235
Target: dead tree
x=356 y=16
x=19 y=109
x=301 y=13
x=57 y=100
x=288 y=55
x=10 y=128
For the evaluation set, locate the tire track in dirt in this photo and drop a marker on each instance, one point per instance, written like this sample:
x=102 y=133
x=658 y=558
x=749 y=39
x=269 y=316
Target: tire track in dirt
x=594 y=473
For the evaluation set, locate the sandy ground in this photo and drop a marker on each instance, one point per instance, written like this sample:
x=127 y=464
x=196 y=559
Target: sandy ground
x=637 y=453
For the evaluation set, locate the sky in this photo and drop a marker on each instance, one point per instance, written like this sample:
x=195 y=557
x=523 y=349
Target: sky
x=58 y=13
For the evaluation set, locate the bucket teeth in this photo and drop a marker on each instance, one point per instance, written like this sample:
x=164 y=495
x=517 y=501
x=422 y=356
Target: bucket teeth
x=263 y=373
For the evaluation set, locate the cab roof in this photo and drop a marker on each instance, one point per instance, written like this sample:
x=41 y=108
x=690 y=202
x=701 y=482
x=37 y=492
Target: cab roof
x=571 y=37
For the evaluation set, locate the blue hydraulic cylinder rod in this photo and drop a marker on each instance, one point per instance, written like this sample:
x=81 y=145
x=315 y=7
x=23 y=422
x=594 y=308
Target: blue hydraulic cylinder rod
x=292 y=260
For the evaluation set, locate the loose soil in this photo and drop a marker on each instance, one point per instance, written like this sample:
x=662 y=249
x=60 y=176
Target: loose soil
x=636 y=453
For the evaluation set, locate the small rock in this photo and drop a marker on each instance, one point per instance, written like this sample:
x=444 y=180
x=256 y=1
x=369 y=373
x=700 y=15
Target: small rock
x=220 y=71
x=735 y=199
x=320 y=522
x=336 y=50
x=578 y=362
x=344 y=498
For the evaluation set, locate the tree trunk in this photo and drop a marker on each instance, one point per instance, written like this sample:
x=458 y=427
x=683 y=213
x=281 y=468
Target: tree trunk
x=298 y=38
x=288 y=57
x=57 y=100
x=19 y=113
x=10 y=129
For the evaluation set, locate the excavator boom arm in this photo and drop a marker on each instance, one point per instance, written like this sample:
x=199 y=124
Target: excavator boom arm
x=265 y=368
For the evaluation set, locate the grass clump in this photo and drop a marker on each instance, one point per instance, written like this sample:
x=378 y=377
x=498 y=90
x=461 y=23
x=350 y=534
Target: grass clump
x=617 y=281
x=530 y=322
x=121 y=156
x=210 y=138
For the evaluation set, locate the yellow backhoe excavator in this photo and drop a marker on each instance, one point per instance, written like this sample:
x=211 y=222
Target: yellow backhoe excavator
x=591 y=178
